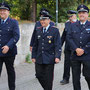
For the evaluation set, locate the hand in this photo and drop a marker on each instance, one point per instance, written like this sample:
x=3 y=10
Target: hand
x=30 y=48
x=79 y=51
x=33 y=60
x=5 y=49
x=57 y=60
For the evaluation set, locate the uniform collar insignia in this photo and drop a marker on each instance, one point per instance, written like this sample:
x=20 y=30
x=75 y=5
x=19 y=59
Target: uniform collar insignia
x=88 y=29
x=81 y=8
x=49 y=37
x=2 y=6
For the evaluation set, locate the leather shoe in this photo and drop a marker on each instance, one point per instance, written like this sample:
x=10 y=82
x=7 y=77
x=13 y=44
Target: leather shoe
x=63 y=82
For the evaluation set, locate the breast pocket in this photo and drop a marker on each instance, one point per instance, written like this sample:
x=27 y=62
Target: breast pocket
x=7 y=31
x=87 y=32
x=76 y=35
x=49 y=39
x=74 y=32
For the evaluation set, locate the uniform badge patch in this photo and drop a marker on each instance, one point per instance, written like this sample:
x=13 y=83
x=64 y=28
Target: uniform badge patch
x=39 y=36
x=49 y=37
x=88 y=29
x=49 y=41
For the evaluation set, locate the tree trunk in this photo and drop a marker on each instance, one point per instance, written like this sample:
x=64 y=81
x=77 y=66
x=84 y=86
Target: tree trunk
x=82 y=1
x=34 y=10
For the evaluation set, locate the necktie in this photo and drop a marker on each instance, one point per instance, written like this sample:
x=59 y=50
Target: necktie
x=44 y=30
x=2 y=22
x=82 y=26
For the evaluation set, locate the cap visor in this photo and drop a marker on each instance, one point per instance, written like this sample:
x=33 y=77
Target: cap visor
x=83 y=10
x=4 y=8
x=44 y=18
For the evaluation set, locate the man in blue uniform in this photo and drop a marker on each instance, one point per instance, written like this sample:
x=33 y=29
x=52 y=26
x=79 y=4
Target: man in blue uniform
x=38 y=24
x=9 y=35
x=46 y=51
x=79 y=39
x=67 y=51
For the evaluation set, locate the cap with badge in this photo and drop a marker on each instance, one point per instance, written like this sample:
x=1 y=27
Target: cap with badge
x=82 y=8
x=4 y=6
x=44 y=14
x=71 y=13
x=41 y=11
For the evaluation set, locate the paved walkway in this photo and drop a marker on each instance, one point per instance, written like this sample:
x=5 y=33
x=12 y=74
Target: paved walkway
x=25 y=78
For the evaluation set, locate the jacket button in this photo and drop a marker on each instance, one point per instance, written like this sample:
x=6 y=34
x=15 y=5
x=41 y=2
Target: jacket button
x=42 y=47
x=80 y=42
x=81 y=37
x=86 y=45
x=42 y=51
x=80 y=46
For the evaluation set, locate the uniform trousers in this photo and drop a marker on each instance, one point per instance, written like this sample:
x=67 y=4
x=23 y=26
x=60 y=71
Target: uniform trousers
x=44 y=73
x=76 y=72
x=67 y=64
x=9 y=63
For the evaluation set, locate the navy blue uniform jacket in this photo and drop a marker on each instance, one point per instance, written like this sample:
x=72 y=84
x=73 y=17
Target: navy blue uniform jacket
x=9 y=35
x=80 y=38
x=38 y=24
x=64 y=35
x=47 y=46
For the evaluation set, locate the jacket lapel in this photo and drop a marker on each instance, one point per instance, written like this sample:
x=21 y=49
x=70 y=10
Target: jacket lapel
x=6 y=23
x=44 y=35
x=79 y=26
x=41 y=31
x=86 y=25
x=0 y=21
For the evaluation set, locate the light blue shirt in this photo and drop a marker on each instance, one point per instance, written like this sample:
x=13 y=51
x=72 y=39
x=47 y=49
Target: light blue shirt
x=46 y=28
x=4 y=20
x=83 y=23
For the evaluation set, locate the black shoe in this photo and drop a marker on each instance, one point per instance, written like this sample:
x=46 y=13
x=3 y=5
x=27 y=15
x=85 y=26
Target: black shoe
x=63 y=82
x=35 y=76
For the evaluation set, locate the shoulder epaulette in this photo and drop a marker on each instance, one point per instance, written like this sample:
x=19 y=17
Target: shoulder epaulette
x=39 y=27
x=88 y=22
x=13 y=19
x=54 y=26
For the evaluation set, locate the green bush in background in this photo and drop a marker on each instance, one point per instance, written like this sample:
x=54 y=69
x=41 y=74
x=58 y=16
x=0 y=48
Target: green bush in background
x=29 y=9
x=28 y=58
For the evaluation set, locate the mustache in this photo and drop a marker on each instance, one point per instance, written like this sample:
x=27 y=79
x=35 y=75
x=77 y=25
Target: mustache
x=81 y=16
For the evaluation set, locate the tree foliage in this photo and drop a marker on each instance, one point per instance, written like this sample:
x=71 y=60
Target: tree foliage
x=29 y=9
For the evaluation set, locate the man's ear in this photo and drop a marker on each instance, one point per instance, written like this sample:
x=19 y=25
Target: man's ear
x=49 y=20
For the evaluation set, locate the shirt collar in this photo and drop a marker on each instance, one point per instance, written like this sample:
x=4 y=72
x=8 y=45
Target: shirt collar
x=46 y=27
x=83 y=23
x=4 y=20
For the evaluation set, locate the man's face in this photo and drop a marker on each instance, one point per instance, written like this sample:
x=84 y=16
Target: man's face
x=45 y=22
x=73 y=17
x=83 y=16
x=4 y=13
